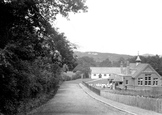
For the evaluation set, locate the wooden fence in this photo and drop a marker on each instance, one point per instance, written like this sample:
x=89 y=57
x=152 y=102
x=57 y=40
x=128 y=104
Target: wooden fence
x=154 y=104
x=97 y=91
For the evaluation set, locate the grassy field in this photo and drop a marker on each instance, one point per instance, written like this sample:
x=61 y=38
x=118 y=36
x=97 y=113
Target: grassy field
x=98 y=81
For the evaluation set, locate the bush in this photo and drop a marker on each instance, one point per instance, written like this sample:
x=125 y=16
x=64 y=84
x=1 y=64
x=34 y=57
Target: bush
x=66 y=78
x=76 y=76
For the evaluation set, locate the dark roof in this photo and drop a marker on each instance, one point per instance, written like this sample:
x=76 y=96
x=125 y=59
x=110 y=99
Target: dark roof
x=138 y=69
x=116 y=77
x=135 y=70
x=132 y=65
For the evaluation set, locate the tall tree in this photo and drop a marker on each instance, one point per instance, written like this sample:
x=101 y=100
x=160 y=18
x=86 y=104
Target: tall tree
x=84 y=63
x=105 y=63
x=30 y=51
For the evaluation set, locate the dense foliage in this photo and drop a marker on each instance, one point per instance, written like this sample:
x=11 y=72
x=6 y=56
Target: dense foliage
x=32 y=52
x=83 y=65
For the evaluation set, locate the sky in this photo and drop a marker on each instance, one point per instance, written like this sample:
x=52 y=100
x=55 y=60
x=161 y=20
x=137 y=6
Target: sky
x=116 y=26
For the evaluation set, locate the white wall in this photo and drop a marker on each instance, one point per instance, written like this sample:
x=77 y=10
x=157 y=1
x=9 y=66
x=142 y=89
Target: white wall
x=97 y=76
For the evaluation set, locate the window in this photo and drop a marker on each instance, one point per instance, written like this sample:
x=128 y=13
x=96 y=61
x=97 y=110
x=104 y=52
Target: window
x=155 y=81
x=100 y=76
x=140 y=81
x=147 y=79
x=126 y=82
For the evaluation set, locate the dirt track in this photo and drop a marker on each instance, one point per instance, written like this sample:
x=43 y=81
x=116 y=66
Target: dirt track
x=72 y=100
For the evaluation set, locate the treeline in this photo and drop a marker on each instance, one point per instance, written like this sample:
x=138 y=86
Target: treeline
x=85 y=62
x=32 y=52
x=154 y=61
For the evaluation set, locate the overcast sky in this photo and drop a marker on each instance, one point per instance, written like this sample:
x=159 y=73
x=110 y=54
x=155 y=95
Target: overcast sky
x=117 y=26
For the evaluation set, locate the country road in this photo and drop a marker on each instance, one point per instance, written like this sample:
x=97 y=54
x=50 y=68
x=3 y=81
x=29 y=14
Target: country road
x=72 y=100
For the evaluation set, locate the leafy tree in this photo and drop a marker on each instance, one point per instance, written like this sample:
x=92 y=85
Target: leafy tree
x=84 y=64
x=32 y=52
x=105 y=63
x=155 y=62
x=120 y=60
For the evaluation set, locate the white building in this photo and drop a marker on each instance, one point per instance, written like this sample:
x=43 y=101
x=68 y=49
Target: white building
x=103 y=72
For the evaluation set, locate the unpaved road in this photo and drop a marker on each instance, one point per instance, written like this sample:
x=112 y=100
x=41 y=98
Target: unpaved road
x=72 y=100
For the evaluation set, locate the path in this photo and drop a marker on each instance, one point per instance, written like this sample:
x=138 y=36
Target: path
x=72 y=100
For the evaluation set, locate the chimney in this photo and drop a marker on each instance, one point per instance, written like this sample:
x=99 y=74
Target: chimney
x=121 y=67
x=127 y=68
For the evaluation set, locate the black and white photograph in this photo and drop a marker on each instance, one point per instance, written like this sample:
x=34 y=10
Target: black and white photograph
x=81 y=57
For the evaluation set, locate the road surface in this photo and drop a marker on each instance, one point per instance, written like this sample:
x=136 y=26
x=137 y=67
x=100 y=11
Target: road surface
x=72 y=100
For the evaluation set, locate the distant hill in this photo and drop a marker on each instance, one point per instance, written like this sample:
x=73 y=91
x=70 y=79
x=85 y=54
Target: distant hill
x=98 y=57
x=146 y=55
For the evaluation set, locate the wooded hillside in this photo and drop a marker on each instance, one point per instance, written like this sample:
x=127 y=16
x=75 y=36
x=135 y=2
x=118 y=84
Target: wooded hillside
x=99 y=57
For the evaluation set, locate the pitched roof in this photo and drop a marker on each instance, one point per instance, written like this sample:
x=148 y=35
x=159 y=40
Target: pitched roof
x=116 y=77
x=135 y=70
x=138 y=69
x=132 y=65
x=105 y=70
